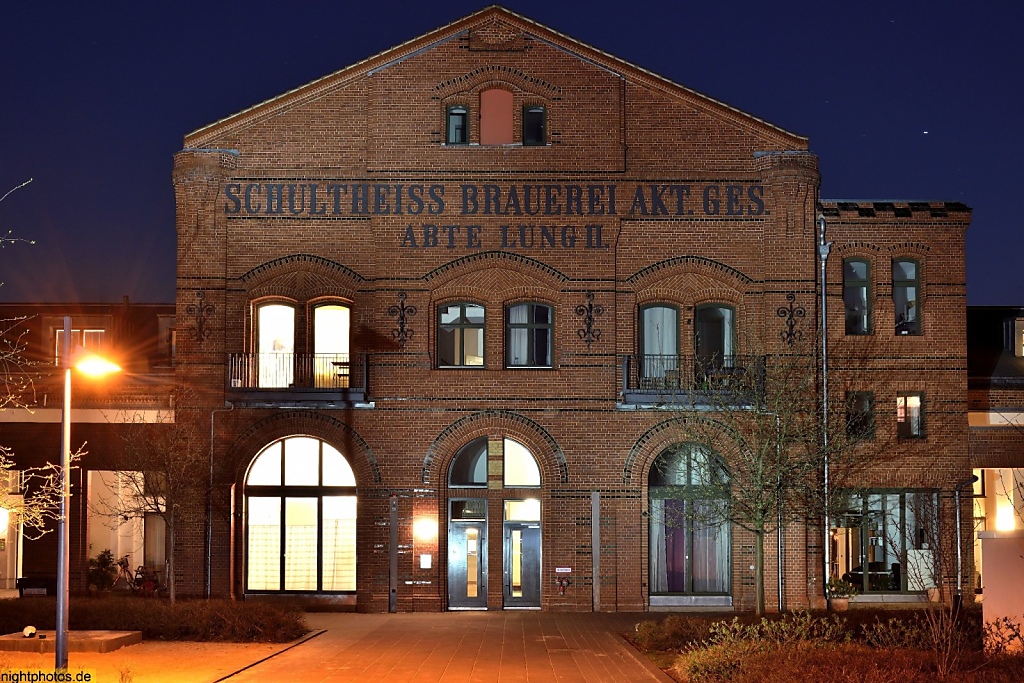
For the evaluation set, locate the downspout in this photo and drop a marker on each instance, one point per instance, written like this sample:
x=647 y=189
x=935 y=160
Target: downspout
x=958 y=600
x=823 y=249
x=781 y=561
x=207 y=589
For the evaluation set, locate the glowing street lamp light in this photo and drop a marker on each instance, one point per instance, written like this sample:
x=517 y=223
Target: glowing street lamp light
x=93 y=365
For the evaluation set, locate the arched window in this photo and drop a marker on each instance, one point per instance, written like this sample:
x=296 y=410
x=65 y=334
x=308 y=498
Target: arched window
x=469 y=467
x=300 y=496
x=690 y=534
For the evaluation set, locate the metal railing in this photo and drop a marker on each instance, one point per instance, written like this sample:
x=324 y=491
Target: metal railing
x=671 y=375
x=306 y=371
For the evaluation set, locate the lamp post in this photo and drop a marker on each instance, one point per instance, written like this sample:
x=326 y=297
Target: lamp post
x=93 y=365
x=823 y=250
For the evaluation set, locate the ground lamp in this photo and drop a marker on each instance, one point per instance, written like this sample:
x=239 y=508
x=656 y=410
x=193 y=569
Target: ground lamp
x=90 y=364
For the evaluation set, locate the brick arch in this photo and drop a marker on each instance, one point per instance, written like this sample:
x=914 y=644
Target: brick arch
x=858 y=248
x=488 y=259
x=504 y=423
x=337 y=433
x=697 y=264
x=662 y=435
x=313 y=276
x=496 y=75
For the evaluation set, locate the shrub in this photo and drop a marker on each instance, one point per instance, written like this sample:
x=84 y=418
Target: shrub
x=673 y=633
x=102 y=571
x=197 y=620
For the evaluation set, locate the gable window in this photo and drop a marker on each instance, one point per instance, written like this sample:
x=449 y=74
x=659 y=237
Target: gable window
x=857 y=295
x=496 y=117
x=457 y=126
x=534 y=126
x=860 y=415
x=906 y=289
x=529 y=336
x=910 y=415
x=460 y=335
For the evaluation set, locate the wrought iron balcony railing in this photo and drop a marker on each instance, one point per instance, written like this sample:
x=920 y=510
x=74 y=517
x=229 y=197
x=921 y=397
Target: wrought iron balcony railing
x=724 y=380
x=291 y=374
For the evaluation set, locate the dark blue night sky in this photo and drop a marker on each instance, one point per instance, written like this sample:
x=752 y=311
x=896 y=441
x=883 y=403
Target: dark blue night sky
x=900 y=100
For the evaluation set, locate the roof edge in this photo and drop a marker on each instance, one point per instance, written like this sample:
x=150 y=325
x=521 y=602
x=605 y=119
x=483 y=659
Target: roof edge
x=199 y=136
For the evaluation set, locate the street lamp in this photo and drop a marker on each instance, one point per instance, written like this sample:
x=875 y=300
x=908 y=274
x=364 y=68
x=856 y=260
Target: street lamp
x=90 y=364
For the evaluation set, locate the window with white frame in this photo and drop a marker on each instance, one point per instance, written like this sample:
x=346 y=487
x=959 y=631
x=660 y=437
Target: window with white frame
x=529 y=336
x=460 y=335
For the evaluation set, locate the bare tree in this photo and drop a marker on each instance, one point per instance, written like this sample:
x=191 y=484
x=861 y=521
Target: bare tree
x=757 y=420
x=32 y=494
x=156 y=469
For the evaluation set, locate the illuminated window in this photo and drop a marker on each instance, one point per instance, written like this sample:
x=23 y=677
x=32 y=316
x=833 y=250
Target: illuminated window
x=276 y=345
x=331 y=362
x=909 y=416
x=886 y=541
x=857 y=295
x=301 y=518
x=520 y=467
x=469 y=466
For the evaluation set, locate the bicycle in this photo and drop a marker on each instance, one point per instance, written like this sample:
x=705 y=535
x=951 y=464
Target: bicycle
x=144 y=581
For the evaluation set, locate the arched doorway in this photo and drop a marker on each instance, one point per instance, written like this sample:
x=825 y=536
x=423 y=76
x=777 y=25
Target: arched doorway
x=690 y=536
x=300 y=519
x=468 y=503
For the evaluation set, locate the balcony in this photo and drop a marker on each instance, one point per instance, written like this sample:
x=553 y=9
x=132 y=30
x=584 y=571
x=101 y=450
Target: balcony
x=687 y=381
x=329 y=379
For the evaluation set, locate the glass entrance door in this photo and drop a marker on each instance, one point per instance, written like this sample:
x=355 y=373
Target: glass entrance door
x=522 y=565
x=467 y=563
x=467 y=554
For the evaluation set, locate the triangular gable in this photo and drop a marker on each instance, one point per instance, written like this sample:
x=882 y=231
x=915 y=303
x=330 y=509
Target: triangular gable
x=495 y=28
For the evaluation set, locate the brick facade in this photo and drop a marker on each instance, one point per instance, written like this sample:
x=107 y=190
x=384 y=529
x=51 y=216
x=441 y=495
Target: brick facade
x=345 y=190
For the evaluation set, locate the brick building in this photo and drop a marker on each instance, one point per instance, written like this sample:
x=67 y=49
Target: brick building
x=459 y=311
x=995 y=365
